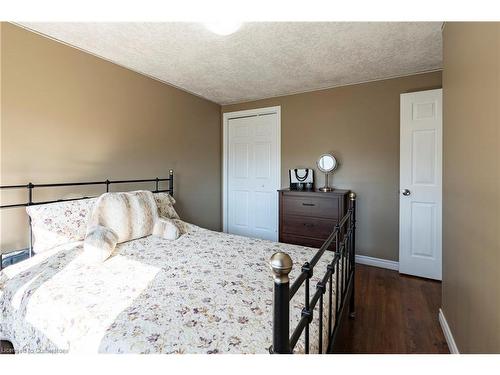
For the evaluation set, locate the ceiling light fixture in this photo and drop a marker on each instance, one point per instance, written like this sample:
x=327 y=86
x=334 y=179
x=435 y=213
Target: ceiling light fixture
x=223 y=28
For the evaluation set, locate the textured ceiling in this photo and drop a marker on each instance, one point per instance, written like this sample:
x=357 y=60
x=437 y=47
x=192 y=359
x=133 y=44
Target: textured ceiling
x=261 y=59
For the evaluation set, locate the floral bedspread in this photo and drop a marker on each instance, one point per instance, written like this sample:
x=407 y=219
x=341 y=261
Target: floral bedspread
x=207 y=292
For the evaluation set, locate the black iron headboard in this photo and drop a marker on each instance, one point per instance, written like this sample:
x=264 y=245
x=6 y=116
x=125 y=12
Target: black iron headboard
x=31 y=187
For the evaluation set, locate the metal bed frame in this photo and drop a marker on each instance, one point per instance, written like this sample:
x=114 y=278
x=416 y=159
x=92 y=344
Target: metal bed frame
x=342 y=267
x=31 y=187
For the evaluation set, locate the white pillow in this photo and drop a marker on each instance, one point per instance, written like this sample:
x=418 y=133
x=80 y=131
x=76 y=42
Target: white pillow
x=55 y=224
x=169 y=229
x=120 y=217
x=116 y=218
x=130 y=215
x=166 y=228
x=99 y=244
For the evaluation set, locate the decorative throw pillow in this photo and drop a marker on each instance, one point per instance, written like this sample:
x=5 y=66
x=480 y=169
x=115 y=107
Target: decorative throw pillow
x=99 y=244
x=165 y=203
x=169 y=229
x=120 y=217
x=181 y=225
x=166 y=228
x=55 y=224
x=129 y=215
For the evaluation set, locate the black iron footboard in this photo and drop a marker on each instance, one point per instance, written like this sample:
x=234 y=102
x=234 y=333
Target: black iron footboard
x=341 y=268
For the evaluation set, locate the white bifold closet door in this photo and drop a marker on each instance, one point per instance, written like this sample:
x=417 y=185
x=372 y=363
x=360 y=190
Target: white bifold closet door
x=252 y=180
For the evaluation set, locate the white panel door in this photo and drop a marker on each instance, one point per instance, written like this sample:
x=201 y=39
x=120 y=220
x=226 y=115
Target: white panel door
x=252 y=176
x=420 y=202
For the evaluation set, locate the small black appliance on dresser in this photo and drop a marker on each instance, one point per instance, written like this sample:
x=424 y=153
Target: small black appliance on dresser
x=307 y=218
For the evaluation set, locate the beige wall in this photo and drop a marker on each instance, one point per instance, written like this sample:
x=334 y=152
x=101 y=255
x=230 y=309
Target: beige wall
x=70 y=116
x=471 y=185
x=359 y=124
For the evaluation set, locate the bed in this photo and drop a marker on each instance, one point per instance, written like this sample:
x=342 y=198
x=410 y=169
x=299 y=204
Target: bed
x=206 y=292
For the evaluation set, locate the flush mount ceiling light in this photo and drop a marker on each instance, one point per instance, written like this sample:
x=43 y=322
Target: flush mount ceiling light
x=223 y=28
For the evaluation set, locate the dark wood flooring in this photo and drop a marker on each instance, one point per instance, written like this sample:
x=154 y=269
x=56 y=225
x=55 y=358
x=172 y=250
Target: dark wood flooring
x=394 y=314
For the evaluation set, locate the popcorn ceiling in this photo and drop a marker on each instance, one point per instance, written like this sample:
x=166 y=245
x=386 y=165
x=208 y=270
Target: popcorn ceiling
x=261 y=59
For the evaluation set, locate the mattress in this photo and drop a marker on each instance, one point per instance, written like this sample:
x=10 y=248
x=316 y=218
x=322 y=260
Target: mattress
x=207 y=292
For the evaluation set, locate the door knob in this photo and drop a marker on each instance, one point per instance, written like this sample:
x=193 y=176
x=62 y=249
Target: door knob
x=406 y=192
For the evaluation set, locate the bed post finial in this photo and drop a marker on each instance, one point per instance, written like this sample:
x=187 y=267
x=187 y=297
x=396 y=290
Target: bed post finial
x=171 y=172
x=352 y=196
x=281 y=265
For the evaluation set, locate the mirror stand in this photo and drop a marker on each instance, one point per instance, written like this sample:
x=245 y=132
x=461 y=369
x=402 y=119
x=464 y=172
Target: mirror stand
x=326 y=188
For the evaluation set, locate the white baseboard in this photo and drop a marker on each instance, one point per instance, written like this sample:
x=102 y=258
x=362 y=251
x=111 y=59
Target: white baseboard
x=377 y=262
x=452 y=345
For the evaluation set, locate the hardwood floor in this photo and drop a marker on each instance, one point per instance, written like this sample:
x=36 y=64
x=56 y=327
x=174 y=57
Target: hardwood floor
x=394 y=314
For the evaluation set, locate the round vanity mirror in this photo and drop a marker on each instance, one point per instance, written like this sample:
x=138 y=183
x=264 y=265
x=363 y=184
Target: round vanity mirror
x=326 y=163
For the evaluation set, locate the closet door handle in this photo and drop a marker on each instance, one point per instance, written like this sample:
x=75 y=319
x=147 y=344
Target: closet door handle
x=308 y=204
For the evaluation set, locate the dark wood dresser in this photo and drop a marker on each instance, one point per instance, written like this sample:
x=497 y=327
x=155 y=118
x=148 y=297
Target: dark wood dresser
x=308 y=217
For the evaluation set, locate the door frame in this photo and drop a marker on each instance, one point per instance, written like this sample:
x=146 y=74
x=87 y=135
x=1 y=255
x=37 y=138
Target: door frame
x=225 y=153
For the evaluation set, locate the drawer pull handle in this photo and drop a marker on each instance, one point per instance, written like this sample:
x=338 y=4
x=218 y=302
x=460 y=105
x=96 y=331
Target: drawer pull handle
x=308 y=225
x=308 y=204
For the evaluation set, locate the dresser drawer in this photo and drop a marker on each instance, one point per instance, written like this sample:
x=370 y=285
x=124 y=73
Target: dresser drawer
x=304 y=226
x=311 y=206
x=307 y=218
x=304 y=241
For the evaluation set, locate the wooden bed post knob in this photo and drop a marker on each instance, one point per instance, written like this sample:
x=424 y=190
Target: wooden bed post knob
x=281 y=265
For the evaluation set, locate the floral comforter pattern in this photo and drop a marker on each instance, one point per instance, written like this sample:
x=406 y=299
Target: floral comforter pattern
x=206 y=292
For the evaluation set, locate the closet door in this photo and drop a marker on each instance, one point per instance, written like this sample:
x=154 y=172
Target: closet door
x=252 y=176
